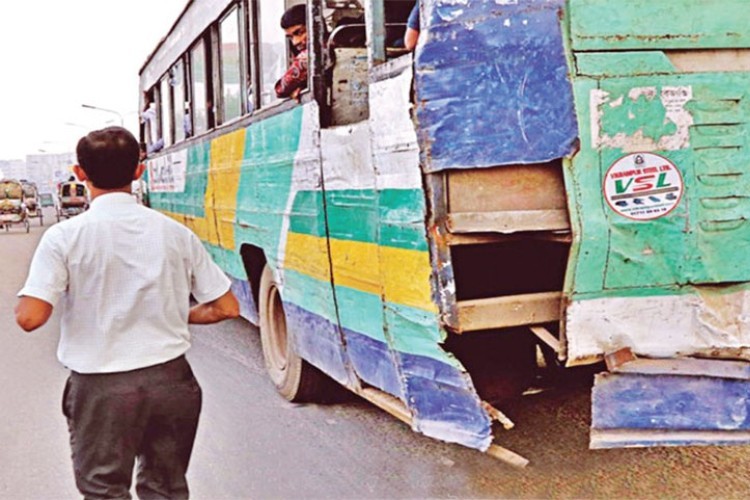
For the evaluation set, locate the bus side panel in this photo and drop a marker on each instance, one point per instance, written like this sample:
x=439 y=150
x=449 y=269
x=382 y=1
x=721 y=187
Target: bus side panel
x=437 y=388
x=281 y=165
x=492 y=85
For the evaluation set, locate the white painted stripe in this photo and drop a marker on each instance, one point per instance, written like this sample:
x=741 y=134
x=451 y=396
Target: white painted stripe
x=708 y=323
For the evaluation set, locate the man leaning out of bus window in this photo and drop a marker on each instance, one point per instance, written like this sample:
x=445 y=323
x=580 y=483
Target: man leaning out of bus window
x=294 y=24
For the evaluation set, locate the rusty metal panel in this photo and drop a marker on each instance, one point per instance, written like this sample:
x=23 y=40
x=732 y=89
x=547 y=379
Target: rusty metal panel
x=492 y=84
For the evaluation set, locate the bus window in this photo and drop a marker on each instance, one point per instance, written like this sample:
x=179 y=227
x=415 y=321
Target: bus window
x=166 y=110
x=231 y=84
x=181 y=118
x=199 y=86
x=273 y=48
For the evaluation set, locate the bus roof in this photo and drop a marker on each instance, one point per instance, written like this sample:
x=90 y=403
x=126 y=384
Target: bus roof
x=194 y=19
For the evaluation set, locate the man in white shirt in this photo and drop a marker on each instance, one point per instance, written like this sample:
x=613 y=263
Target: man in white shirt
x=123 y=275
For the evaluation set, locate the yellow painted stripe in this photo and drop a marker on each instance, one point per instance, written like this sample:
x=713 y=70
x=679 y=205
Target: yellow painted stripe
x=196 y=224
x=401 y=276
x=217 y=226
x=307 y=255
x=227 y=153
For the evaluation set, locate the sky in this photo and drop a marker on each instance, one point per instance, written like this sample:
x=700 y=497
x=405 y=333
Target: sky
x=56 y=55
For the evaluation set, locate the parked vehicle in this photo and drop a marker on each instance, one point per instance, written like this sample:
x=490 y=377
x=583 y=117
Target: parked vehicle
x=46 y=200
x=12 y=207
x=72 y=199
x=551 y=175
x=31 y=199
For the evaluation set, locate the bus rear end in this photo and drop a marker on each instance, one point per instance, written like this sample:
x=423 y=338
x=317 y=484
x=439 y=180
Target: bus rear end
x=587 y=168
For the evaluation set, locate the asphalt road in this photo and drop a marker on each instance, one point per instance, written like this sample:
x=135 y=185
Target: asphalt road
x=253 y=444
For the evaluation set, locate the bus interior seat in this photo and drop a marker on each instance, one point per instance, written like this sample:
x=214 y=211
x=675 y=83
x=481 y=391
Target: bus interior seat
x=350 y=77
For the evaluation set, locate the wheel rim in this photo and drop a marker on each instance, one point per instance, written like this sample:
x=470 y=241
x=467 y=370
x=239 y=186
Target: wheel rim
x=278 y=348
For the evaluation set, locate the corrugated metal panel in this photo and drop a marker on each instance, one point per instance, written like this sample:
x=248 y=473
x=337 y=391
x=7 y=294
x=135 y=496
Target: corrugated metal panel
x=492 y=84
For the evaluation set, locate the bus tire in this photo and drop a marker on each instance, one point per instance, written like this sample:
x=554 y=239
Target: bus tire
x=295 y=379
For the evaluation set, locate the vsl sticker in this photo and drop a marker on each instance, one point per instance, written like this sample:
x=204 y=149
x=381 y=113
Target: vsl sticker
x=643 y=186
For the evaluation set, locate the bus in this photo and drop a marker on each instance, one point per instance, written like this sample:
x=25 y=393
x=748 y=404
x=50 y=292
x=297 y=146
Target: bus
x=557 y=183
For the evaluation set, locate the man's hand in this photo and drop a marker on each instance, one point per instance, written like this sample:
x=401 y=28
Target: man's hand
x=225 y=307
x=31 y=313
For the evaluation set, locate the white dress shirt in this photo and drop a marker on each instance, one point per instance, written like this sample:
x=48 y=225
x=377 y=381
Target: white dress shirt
x=123 y=274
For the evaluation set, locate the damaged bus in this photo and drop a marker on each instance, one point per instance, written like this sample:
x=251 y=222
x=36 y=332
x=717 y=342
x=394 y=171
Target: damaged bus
x=538 y=175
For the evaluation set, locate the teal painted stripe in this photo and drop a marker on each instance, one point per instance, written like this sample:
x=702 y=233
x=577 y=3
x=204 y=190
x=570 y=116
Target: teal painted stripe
x=663 y=291
x=228 y=260
x=192 y=201
x=417 y=332
x=271 y=147
x=305 y=292
x=410 y=330
x=392 y=217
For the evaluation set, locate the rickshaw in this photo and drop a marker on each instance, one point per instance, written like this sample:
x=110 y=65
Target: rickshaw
x=31 y=199
x=72 y=199
x=12 y=208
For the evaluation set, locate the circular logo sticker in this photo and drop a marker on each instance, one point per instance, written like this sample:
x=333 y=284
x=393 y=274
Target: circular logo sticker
x=643 y=186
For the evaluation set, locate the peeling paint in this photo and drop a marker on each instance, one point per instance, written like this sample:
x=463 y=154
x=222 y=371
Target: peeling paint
x=641 y=123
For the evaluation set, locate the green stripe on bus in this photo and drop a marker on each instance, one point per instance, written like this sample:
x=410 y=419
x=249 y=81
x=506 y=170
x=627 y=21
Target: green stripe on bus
x=193 y=200
x=271 y=147
x=355 y=215
x=418 y=331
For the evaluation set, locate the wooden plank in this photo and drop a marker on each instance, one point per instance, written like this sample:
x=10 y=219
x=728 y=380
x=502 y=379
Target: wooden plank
x=513 y=310
x=545 y=336
x=509 y=221
x=509 y=457
x=487 y=238
x=396 y=407
x=383 y=400
x=512 y=187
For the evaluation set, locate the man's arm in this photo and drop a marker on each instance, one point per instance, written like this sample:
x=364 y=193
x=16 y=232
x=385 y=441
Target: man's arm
x=31 y=313
x=225 y=307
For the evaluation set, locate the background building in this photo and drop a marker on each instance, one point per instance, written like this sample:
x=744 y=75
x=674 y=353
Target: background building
x=47 y=169
x=13 y=169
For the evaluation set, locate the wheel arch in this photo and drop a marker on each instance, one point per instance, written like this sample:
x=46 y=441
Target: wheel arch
x=253 y=260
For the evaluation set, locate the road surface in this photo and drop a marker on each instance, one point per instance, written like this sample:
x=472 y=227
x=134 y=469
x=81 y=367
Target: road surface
x=253 y=444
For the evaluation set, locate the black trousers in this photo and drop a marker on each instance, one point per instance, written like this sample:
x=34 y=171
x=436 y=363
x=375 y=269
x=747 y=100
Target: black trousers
x=150 y=414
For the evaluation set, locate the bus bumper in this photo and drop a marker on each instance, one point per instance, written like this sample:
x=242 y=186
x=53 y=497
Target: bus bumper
x=671 y=402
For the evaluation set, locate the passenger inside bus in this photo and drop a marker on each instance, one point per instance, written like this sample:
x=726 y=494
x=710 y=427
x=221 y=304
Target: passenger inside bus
x=412 y=28
x=294 y=24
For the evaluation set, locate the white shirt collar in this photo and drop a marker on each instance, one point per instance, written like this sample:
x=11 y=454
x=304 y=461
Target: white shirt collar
x=113 y=199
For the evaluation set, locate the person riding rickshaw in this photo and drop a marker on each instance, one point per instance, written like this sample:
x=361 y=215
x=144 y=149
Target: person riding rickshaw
x=73 y=199
x=12 y=208
x=31 y=199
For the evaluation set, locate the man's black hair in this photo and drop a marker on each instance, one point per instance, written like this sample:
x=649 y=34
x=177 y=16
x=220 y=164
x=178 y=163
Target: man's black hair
x=109 y=157
x=294 y=15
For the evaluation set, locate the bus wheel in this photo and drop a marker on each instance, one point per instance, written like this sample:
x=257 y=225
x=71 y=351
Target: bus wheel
x=294 y=378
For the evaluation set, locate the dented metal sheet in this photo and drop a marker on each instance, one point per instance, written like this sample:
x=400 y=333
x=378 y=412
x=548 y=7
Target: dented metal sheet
x=657 y=409
x=492 y=84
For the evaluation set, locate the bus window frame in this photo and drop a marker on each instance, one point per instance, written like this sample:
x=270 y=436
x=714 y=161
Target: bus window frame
x=316 y=90
x=172 y=89
x=243 y=71
x=204 y=38
x=167 y=136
